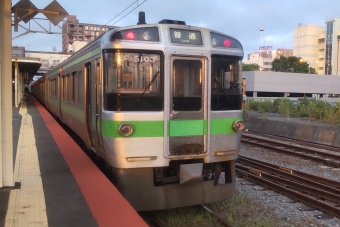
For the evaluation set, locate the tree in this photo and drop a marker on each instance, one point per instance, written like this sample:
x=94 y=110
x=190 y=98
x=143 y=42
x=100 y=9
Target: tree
x=291 y=64
x=250 y=67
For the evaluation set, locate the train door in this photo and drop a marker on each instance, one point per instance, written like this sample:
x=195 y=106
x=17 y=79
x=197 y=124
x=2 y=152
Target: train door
x=88 y=101
x=98 y=88
x=95 y=107
x=60 y=94
x=187 y=114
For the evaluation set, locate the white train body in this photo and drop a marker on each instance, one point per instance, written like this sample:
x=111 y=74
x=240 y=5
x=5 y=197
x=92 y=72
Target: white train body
x=161 y=104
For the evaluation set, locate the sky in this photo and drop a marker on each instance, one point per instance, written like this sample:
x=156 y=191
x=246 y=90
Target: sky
x=241 y=19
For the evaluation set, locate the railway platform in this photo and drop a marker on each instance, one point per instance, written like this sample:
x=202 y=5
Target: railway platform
x=56 y=184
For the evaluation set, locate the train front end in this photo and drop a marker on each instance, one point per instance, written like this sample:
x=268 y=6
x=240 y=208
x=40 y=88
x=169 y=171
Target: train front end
x=171 y=114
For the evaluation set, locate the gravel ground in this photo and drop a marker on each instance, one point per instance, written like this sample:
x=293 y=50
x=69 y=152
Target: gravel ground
x=287 y=213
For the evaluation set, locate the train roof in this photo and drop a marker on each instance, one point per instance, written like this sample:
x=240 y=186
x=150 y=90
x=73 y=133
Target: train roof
x=165 y=29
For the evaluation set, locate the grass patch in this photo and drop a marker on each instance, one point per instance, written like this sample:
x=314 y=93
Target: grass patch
x=312 y=109
x=186 y=216
x=242 y=211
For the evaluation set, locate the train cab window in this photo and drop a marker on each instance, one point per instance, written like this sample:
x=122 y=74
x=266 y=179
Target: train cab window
x=226 y=90
x=133 y=81
x=187 y=85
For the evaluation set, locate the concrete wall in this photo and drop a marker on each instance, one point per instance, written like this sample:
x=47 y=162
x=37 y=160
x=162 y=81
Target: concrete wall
x=300 y=129
x=292 y=82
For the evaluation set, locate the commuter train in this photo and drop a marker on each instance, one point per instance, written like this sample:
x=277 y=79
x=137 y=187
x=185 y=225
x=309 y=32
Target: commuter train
x=161 y=104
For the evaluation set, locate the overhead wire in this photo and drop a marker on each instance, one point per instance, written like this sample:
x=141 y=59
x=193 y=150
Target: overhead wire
x=120 y=14
x=129 y=12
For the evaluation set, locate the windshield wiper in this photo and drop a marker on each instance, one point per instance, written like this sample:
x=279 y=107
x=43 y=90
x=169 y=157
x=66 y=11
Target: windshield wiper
x=219 y=86
x=151 y=82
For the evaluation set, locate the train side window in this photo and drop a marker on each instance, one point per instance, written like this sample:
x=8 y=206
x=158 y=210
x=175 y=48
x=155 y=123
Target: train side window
x=56 y=87
x=51 y=87
x=63 y=88
x=80 y=87
x=68 y=87
x=74 y=87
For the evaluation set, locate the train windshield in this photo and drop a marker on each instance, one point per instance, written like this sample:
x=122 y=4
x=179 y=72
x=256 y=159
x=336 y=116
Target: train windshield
x=226 y=87
x=132 y=82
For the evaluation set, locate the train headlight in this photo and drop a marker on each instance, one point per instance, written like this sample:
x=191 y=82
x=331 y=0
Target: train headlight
x=125 y=129
x=238 y=125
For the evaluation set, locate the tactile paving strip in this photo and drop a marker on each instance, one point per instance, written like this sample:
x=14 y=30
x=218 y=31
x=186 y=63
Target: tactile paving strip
x=27 y=205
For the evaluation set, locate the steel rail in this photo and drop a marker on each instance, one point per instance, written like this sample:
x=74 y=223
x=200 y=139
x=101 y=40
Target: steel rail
x=321 y=157
x=309 y=188
x=292 y=174
x=308 y=147
x=308 y=200
x=291 y=140
x=223 y=221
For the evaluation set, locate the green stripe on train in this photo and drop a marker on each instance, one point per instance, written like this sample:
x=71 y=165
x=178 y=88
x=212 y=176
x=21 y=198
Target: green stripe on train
x=222 y=125
x=75 y=112
x=141 y=128
x=187 y=128
x=156 y=128
x=176 y=128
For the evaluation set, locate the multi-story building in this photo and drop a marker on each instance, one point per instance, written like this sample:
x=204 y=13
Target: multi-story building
x=306 y=45
x=48 y=60
x=332 y=47
x=319 y=46
x=283 y=52
x=18 y=51
x=76 y=35
x=264 y=60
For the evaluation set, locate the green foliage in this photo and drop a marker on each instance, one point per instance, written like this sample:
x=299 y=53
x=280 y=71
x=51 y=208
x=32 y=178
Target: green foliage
x=291 y=64
x=306 y=107
x=266 y=106
x=250 y=67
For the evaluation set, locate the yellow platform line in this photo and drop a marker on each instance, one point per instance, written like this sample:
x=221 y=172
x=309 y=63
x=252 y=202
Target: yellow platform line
x=27 y=205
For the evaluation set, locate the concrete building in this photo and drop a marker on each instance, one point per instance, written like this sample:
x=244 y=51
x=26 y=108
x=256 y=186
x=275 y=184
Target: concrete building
x=48 y=59
x=264 y=62
x=76 y=35
x=283 y=52
x=267 y=57
x=332 y=47
x=18 y=51
x=319 y=46
x=306 y=45
x=292 y=85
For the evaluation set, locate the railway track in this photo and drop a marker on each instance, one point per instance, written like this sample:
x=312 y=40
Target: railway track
x=320 y=193
x=319 y=153
x=224 y=222
x=154 y=222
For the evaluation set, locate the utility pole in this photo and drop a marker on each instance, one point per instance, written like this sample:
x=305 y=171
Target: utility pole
x=261 y=62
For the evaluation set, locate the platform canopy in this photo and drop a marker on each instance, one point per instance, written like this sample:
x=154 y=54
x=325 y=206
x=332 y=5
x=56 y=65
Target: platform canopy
x=26 y=65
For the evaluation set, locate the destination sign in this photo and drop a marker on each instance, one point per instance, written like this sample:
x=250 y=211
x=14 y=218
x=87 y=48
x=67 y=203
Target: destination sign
x=183 y=36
